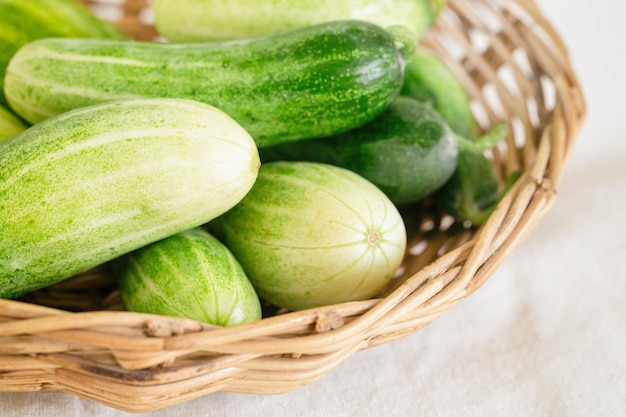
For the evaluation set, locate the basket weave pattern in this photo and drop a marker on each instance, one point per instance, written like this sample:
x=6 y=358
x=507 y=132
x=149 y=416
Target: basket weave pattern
x=75 y=337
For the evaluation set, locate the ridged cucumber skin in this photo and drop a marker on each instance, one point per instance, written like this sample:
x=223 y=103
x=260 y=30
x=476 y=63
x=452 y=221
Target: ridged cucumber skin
x=308 y=83
x=10 y=124
x=408 y=151
x=190 y=275
x=197 y=21
x=23 y=21
x=310 y=234
x=92 y=184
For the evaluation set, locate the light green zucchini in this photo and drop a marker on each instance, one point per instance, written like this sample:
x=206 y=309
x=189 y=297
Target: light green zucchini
x=310 y=234
x=10 y=125
x=202 y=20
x=190 y=275
x=23 y=21
x=312 y=82
x=92 y=184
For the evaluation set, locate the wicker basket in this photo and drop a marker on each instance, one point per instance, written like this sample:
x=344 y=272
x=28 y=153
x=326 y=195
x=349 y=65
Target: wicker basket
x=74 y=336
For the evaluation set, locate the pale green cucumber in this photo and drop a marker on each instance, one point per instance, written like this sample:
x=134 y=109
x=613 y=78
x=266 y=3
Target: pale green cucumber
x=10 y=125
x=202 y=20
x=310 y=234
x=92 y=184
x=308 y=83
x=23 y=21
x=190 y=275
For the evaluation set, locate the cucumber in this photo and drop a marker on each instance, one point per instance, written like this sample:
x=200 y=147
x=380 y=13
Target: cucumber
x=473 y=190
x=23 y=21
x=310 y=234
x=427 y=78
x=190 y=275
x=10 y=125
x=408 y=151
x=194 y=21
x=92 y=184
x=312 y=82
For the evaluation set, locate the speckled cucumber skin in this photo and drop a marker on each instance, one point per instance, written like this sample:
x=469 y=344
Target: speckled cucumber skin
x=190 y=275
x=201 y=20
x=408 y=151
x=23 y=21
x=310 y=234
x=92 y=184
x=308 y=83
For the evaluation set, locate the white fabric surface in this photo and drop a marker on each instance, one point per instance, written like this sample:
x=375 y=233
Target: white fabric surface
x=545 y=336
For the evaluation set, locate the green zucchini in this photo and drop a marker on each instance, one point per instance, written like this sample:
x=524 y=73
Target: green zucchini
x=10 y=124
x=23 y=21
x=194 y=21
x=310 y=234
x=190 y=275
x=92 y=184
x=312 y=82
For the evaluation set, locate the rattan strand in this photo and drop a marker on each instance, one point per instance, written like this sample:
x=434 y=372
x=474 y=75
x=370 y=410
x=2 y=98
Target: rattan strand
x=75 y=337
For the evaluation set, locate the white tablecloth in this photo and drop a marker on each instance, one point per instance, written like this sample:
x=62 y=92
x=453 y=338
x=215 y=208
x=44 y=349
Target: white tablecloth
x=545 y=336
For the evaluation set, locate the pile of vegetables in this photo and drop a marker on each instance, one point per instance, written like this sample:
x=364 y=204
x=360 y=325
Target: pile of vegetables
x=262 y=152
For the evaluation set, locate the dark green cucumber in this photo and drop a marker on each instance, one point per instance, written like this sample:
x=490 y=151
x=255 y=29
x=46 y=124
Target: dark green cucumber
x=23 y=21
x=312 y=82
x=473 y=190
x=190 y=275
x=408 y=151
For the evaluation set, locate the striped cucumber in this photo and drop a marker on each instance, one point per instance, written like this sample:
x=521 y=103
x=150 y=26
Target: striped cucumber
x=92 y=184
x=23 y=21
x=190 y=275
x=193 y=20
x=312 y=82
x=310 y=234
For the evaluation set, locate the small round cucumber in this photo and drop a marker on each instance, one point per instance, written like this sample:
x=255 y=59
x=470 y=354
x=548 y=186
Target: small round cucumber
x=310 y=234
x=190 y=275
x=92 y=184
x=408 y=151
